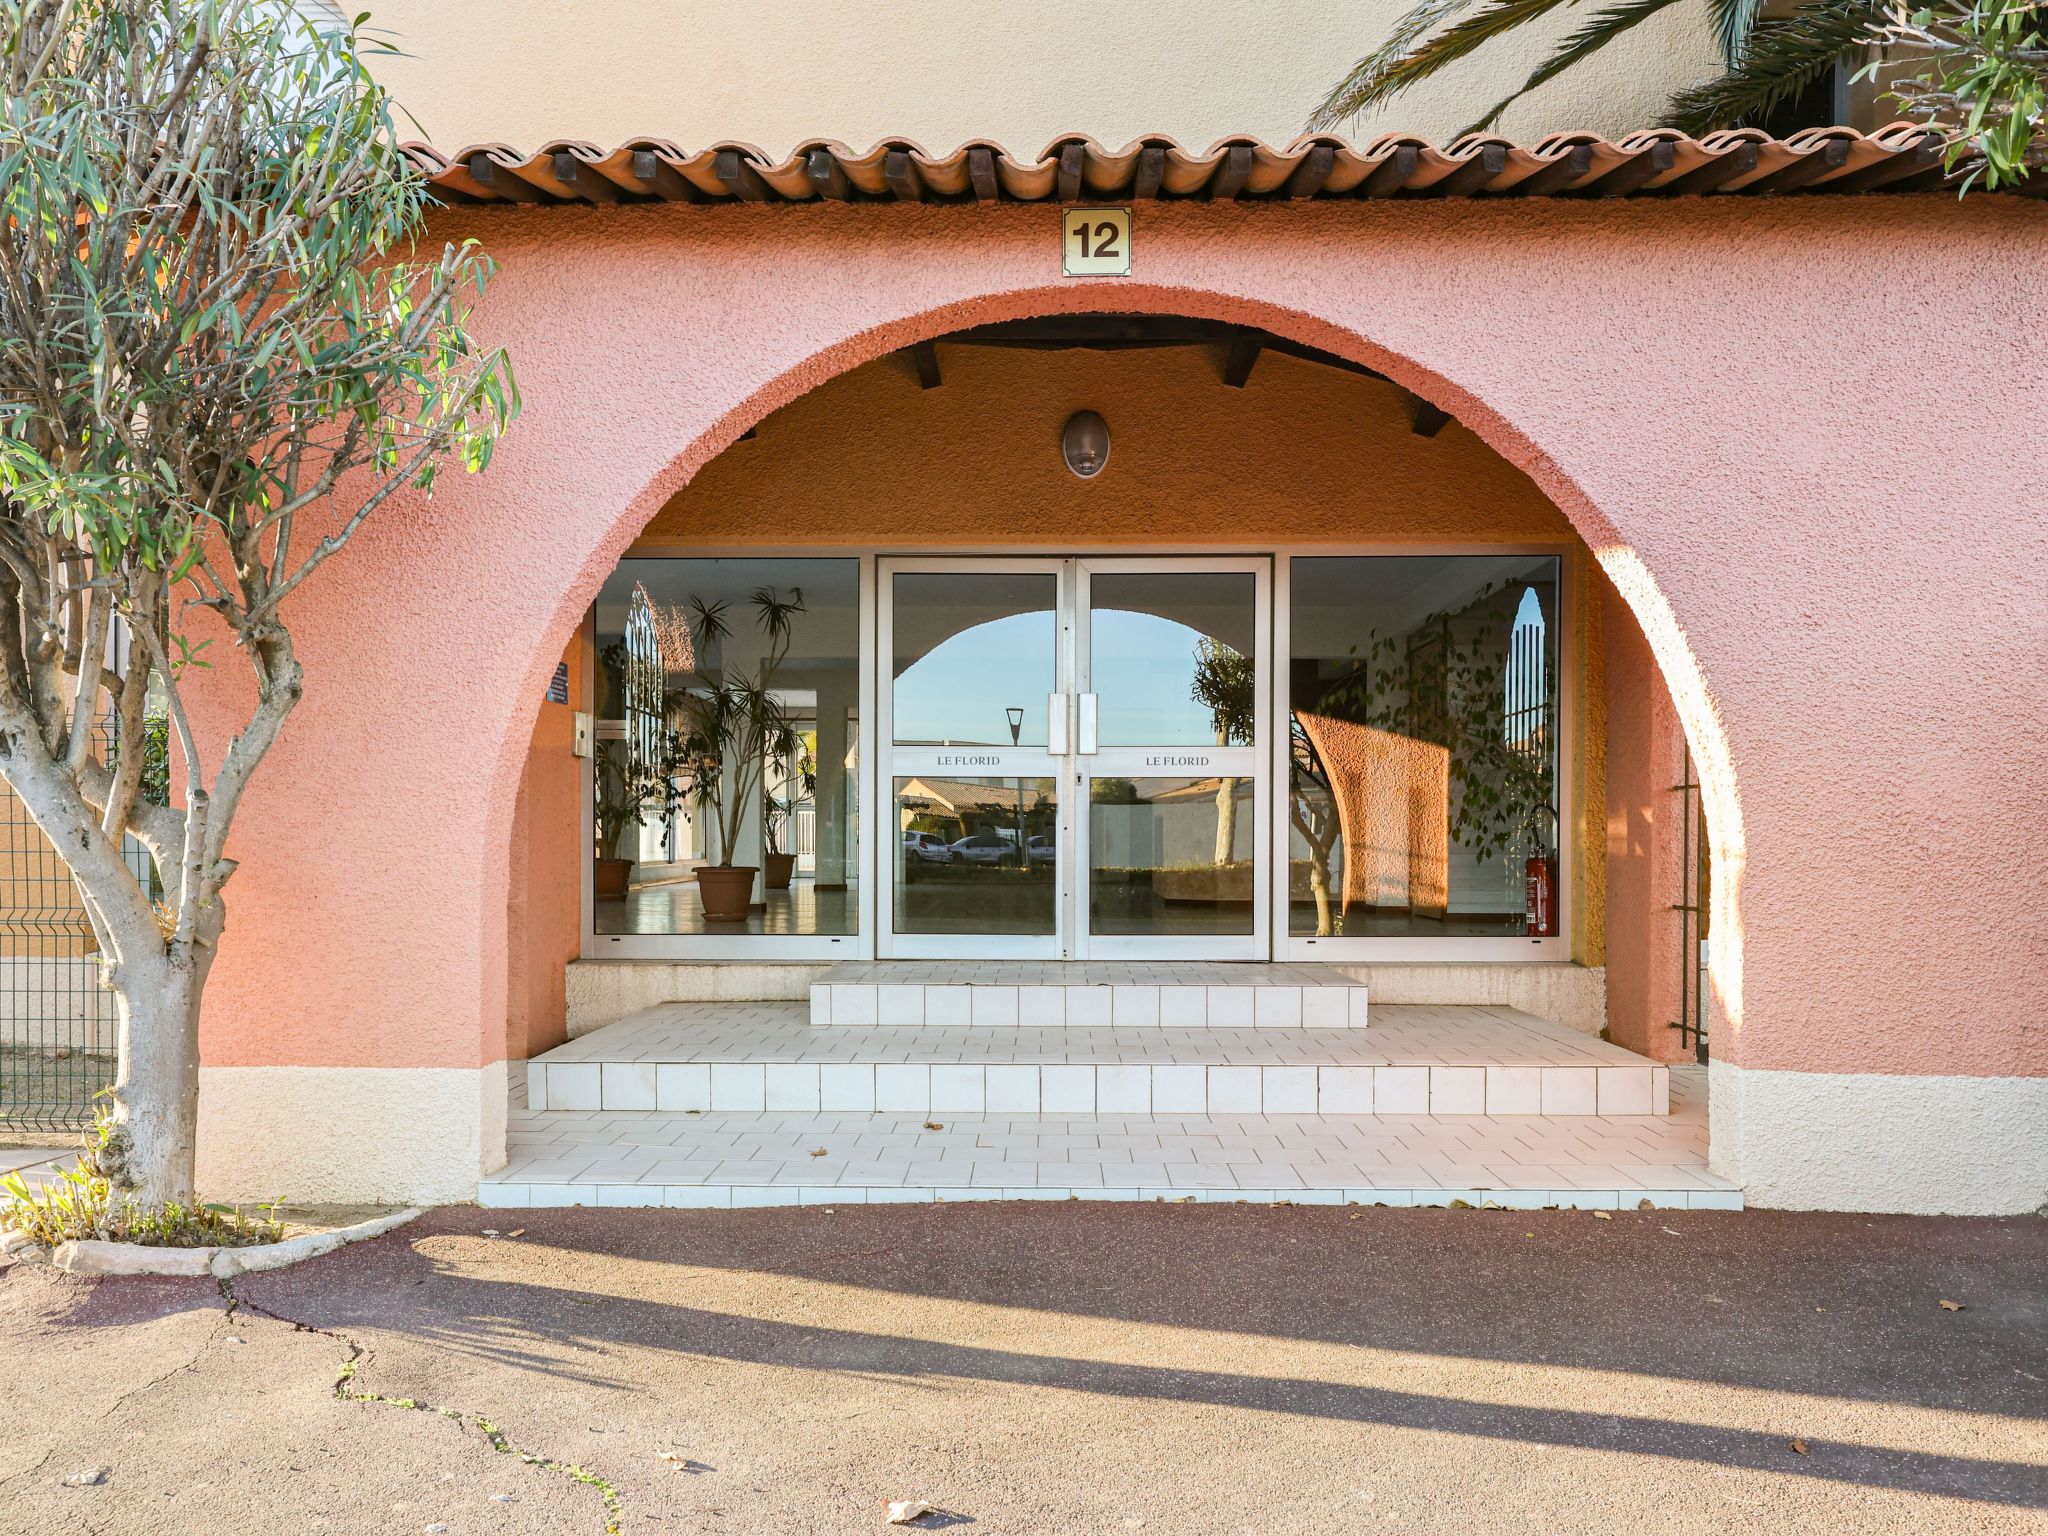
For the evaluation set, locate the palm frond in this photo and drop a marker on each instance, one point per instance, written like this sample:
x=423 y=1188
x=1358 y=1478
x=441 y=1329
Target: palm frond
x=1599 y=30
x=1733 y=21
x=1416 y=50
x=1782 y=57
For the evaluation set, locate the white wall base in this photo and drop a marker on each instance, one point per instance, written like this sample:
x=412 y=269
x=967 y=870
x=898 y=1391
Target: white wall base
x=350 y=1135
x=602 y=992
x=1806 y=1141
x=1572 y=995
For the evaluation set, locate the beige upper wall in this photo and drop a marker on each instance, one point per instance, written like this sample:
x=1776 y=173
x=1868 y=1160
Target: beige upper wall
x=774 y=73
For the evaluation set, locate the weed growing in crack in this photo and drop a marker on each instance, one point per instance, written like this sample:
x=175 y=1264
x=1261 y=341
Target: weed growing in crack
x=346 y=1391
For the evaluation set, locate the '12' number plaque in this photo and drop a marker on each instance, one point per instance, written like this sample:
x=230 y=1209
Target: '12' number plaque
x=1096 y=242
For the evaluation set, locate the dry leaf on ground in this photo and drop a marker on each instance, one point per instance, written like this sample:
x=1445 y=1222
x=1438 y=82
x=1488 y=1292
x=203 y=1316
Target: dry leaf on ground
x=903 y=1511
x=1950 y=1306
x=1603 y=1216
x=1800 y=1446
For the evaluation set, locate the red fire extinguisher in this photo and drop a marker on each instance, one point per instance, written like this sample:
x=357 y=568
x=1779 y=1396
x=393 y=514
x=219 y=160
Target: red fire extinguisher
x=1539 y=895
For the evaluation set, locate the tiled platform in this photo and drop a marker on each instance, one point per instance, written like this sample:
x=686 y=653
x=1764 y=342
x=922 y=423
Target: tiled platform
x=647 y=1157
x=1416 y=1060
x=1056 y=995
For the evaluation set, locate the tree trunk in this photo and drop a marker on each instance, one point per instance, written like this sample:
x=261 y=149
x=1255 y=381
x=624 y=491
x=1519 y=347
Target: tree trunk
x=1319 y=882
x=150 y=1151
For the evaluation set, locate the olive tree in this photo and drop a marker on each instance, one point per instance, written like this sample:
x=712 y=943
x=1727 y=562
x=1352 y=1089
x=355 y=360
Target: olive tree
x=223 y=347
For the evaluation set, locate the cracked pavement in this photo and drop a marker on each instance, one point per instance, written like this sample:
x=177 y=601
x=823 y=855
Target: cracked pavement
x=1054 y=1368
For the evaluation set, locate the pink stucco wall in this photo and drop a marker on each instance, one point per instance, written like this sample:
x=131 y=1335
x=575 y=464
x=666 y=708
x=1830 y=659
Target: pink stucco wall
x=1758 y=414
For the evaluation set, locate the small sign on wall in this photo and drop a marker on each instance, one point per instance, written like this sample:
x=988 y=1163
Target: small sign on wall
x=1095 y=242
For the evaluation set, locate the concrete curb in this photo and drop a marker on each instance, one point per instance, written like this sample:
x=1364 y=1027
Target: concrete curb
x=90 y=1257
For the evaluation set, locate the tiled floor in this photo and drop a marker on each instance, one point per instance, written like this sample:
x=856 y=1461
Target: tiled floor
x=1415 y=1060
x=640 y=1158
x=1083 y=973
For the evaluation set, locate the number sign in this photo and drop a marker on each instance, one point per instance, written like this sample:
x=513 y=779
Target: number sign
x=1096 y=242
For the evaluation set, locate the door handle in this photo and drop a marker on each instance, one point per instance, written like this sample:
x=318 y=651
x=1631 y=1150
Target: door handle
x=1056 y=735
x=1090 y=724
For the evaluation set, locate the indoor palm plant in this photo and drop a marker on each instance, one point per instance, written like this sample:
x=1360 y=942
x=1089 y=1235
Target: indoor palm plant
x=729 y=724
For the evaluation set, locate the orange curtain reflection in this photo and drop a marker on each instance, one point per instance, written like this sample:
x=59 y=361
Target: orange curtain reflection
x=1393 y=799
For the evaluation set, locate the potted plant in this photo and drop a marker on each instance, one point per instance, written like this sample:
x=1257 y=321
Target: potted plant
x=728 y=725
x=798 y=779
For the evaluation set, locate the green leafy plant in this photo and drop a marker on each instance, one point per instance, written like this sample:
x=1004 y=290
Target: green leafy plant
x=732 y=720
x=225 y=344
x=1982 y=72
x=81 y=1202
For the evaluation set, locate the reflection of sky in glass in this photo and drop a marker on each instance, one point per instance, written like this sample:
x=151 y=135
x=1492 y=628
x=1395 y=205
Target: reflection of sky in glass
x=956 y=694
x=1143 y=667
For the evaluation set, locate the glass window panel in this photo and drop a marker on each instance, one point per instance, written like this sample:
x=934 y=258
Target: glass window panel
x=782 y=791
x=1170 y=857
x=976 y=856
x=1171 y=655
x=1424 y=734
x=970 y=648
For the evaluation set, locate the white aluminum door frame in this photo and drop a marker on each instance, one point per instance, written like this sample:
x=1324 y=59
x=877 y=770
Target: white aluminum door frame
x=997 y=762
x=1252 y=762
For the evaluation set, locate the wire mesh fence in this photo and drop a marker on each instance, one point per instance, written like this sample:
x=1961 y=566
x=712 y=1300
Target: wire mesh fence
x=57 y=1022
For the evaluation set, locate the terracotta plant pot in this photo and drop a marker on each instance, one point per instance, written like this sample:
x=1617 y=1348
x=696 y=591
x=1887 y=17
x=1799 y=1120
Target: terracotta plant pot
x=777 y=870
x=608 y=882
x=727 y=889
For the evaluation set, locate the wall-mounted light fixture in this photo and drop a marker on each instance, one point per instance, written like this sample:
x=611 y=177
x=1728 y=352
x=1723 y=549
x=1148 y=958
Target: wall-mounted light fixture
x=1084 y=444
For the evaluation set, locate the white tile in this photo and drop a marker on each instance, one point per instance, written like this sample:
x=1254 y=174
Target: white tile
x=1183 y=1007
x=682 y=1086
x=496 y=1197
x=1344 y=1091
x=1088 y=1007
x=1625 y=1091
x=1660 y=1091
x=957 y=1090
x=1011 y=1090
x=561 y=1194
x=629 y=1194
x=1067 y=1090
x=1514 y=1090
x=1569 y=1091
x=899 y=1006
x=821 y=1007
x=738 y=1085
x=1042 y=1007
x=575 y=1085
x=754 y=1196
x=1325 y=1008
x=1230 y=1008
x=1356 y=1002
x=995 y=1007
x=536 y=1089
x=792 y=1087
x=1714 y=1199
x=1457 y=1090
x=1288 y=1091
x=1123 y=1090
x=1180 y=1090
x=1390 y=1196
x=900 y=1087
x=948 y=1007
x=1585 y=1199
x=1276 y=1007
x=697 y=1197
x=848 y=1086
x=1134 y=1007
x=830 y=1195
x=854 y=1005
x=1234 y=1090
x=1400 y=1090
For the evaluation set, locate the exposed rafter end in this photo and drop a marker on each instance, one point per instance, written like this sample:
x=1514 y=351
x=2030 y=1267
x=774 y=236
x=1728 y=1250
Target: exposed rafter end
x=1424 y=419
x=1245 y=347
x=925 y=357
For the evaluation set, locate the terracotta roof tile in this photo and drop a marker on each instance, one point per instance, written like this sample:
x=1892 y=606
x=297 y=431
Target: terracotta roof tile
x=1902 y=157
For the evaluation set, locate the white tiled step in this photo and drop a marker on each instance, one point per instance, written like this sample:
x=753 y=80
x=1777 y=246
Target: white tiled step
x=1030 y=994
x=1420 y=1061
x=640 y=1159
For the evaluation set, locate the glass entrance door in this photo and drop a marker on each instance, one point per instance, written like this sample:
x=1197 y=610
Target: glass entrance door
x=1072 y=751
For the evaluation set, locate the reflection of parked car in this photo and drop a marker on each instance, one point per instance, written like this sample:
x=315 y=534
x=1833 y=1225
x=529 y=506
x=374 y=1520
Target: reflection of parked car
x=1041 y=850
x=985 y=848
x=926 y=846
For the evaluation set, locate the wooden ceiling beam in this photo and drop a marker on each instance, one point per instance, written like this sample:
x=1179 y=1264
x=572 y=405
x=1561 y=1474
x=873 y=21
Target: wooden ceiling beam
x=1069 y=190
x=1151 y=173
x=827 y=176
x=584 y=179
x=1245 y=347
x=1229 y=178
x=901 y=172
x=925 y=358
x=507 y=186
x=1392 y=173
x=660 y=179
x=740 y=178
x=1723 y=168
x=1424 y=419
x=1646 y=164
x=1804 y=171
x=1308 y=177
x=981 y=170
